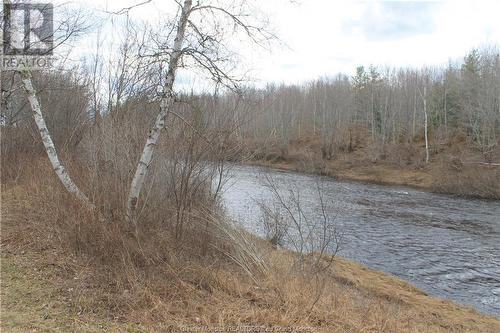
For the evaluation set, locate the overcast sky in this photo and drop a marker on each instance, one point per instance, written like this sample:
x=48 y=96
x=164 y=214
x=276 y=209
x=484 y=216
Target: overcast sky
x=325 y=37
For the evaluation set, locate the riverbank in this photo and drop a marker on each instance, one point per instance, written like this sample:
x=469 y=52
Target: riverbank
x=52 y=280
x=450 y=172
x=52 y=291
x=378 y=174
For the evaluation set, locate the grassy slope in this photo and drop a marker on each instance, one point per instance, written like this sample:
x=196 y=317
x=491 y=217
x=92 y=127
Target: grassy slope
x=377 y=174
x=37 y=295
x=400 y=168
x=43 y=293
x=47 y=288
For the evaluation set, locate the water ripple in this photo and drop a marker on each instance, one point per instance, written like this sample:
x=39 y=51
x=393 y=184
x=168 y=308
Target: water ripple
x=445 y=245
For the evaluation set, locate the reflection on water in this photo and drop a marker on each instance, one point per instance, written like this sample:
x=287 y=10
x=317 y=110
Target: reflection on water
x=447 y=246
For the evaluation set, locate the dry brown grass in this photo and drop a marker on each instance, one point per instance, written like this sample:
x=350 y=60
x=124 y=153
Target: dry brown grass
x=65 y=269
x=480 y=181
x=396 y=164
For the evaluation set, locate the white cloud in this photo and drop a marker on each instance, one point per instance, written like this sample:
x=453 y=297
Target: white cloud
x=324 y=37
x=430 y=33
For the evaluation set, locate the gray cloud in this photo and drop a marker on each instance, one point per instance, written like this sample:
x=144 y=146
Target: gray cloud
x=387 y=20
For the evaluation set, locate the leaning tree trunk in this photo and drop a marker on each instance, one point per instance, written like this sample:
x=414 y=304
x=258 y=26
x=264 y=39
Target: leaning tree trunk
x=47 y=140
x=165 y=105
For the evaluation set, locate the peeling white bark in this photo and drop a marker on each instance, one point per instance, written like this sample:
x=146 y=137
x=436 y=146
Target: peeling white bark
x=165 y=105
x=47 y=140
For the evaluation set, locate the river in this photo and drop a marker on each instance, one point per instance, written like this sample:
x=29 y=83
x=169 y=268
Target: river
x=446 y=246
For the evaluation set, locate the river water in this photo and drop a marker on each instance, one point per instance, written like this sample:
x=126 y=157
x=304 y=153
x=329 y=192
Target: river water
x=447 y=246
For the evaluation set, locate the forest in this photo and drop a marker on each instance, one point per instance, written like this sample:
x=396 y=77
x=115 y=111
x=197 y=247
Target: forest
x=443 y=121
x=438 y=125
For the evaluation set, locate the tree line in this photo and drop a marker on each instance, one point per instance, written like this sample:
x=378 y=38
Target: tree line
x=383 y=105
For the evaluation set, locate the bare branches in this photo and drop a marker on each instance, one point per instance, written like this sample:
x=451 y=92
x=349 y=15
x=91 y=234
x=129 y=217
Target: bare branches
x=258 y=34
x=200 y=42
x=213 y=66
x=126 y=10
x=166 y=102
x=211 y=28
x=313 y=236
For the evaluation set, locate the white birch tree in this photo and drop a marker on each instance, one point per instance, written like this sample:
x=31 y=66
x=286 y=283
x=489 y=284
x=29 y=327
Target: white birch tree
x=426 y=124
x=50 y=149
x=165 y=105
x=72 y=27
x=199 y=41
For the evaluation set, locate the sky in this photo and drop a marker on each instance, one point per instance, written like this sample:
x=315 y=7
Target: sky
x=321 y=38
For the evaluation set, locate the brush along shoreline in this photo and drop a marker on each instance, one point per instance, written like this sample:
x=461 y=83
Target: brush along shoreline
x=389 y=176
x=65 y=269
x=52 y=290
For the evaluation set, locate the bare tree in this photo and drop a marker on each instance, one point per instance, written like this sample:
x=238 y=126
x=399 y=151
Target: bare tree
x=67 y=29
x=201 y=45
x=312 y=236
x=165 y=104
x=47 y=139
x=426 y=123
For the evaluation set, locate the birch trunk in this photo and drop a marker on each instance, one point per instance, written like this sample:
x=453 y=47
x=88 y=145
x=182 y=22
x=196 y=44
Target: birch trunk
x=47 y=140
x=445 y=113
x=165 y=105
x=426 y=127
x=413 y=124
